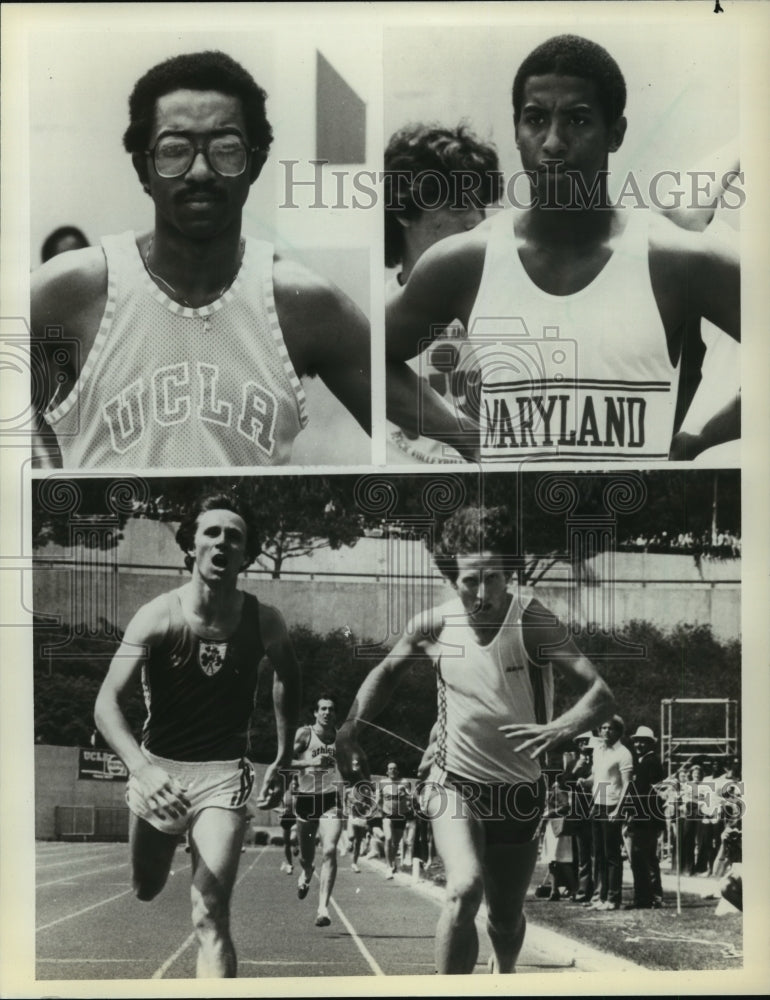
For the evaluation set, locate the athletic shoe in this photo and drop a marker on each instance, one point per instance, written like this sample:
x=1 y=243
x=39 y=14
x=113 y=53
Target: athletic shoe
x=322 y=920
x=303 y=884
x=354 y=868
x=287 y=868
x=389 y=875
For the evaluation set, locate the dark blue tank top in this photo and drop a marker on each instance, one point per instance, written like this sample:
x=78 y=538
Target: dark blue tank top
x=200 y=694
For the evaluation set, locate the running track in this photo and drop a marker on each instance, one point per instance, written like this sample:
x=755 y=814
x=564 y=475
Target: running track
x=89 y=926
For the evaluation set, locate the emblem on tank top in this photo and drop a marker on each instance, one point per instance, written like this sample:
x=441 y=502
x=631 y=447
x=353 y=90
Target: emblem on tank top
x=211 y=657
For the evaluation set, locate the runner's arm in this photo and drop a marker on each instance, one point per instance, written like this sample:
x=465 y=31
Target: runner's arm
x=164 y=794
x=326 y=334
x=724 y=426
x=286 y=683
x=416 y=407
x=67 y=296
x=440 y=290
x=695 y=275
x=542 y=631
x=375 y=693
x=286 y=697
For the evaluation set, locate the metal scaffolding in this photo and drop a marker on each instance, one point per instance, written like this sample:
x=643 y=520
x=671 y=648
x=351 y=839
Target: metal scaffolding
x=676 y=749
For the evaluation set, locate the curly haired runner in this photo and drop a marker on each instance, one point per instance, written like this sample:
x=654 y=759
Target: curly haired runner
x=438 y=182
x=493 y=649
x=198 y=650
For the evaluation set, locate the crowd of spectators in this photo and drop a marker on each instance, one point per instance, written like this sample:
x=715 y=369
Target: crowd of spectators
x=706 y=545
x=612 y=804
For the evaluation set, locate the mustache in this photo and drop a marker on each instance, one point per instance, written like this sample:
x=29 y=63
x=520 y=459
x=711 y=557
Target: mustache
x=206 y=190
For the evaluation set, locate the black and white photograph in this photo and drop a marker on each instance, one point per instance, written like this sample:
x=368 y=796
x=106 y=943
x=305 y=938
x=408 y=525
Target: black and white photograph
x=587 y=306
x=227 y=317
x=384 y=544
x=520 y=694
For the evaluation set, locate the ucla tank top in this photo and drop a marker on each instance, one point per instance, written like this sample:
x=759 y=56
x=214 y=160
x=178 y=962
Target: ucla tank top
x=165 y=385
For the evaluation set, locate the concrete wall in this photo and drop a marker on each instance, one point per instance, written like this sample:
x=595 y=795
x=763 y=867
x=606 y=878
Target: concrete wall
x=57 y=784
x=378 y=610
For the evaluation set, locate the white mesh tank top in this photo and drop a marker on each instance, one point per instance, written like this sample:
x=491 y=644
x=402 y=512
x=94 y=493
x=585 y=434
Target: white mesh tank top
x=165 y=385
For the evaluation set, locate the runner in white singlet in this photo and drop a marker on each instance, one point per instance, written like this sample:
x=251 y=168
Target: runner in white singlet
x=185 y=346
x=484 y=792
x=578 y=312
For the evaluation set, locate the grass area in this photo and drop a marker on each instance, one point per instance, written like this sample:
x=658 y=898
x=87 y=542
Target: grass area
x=657 y=939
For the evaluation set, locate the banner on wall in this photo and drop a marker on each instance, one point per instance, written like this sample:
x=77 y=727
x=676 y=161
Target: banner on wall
x=100 y=765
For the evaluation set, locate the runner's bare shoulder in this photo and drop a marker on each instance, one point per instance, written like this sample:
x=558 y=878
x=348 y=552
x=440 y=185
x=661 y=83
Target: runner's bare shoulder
x=67 y=288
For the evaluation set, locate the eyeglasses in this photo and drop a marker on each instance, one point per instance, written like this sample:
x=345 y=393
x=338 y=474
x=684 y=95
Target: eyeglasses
x=173 y=155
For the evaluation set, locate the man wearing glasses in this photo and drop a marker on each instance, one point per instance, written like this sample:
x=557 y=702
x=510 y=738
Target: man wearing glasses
x=191 y=340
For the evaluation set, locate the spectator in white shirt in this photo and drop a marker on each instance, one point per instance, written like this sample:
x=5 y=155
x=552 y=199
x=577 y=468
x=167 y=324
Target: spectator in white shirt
x=613 y=766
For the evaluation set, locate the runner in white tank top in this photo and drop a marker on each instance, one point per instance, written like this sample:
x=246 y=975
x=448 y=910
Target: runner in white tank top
x=318 y=802
x=166 y=385
x=484 y=793
x=554 y=383
x=578 y=313
x=185 y=347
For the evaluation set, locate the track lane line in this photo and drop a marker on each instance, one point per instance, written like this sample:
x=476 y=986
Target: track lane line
x=67 y=861
x=79 y=913
x=76 y=875
x=369 y=958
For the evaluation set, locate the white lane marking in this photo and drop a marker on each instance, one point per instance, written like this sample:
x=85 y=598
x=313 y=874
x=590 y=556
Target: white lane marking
x=163 y=969
x=161 y=972
x=286 y=962
x=67 y=861
x=78 y=913
x=370 y=961
x=88 y=961
x=81 y=875
x=87 y=909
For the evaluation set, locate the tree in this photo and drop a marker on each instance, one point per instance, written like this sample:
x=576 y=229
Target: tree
x=295 y=515
x=555 y=512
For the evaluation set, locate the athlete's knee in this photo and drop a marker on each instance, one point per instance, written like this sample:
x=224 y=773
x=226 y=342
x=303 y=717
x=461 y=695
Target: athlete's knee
x=511 y=926
x=464 y=893
x=210 y=912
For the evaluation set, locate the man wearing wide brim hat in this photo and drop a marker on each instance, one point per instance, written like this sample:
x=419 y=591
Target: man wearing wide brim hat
x=645 y=820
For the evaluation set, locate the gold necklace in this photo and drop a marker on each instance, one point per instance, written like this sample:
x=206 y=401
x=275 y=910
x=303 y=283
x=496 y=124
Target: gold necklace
x=177 y=296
